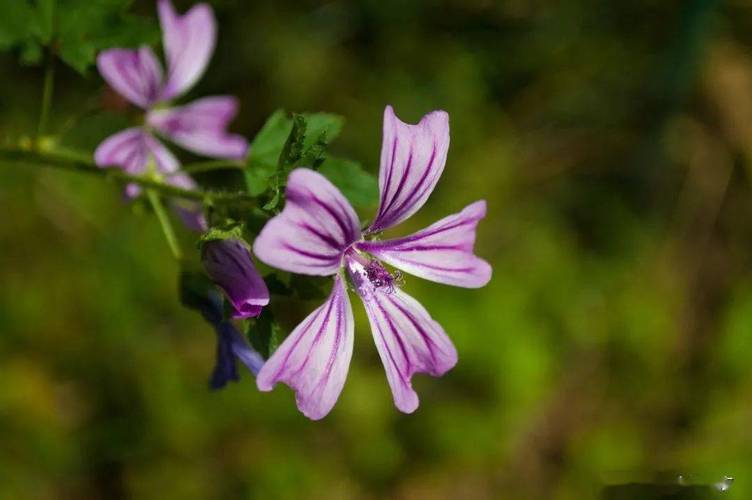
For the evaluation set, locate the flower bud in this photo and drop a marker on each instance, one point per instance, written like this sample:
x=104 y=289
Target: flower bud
x=228 y=263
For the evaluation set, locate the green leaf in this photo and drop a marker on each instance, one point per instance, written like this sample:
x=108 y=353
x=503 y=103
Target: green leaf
x=285 y=143
x=75 y=29
x=17 y=22
x=322 y=127
x=265 y=334
x=46 y=20
x=84 y=27
x=264 y=152
x=294 y=146
x=358 y=186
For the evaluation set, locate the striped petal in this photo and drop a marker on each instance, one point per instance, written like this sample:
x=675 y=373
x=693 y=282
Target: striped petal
x=201 y=127
x=131 y=150
x=189 y=42
x=442 y=252
x=412 y=160
x=134 y=74
x=409 y=341
x=310 y=235
x=315 y=357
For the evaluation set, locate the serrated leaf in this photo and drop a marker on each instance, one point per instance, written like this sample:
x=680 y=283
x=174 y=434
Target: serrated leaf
x=360 y=187
x=294 y=146
x=263 y=156
x=322 y=126
x=283 y=144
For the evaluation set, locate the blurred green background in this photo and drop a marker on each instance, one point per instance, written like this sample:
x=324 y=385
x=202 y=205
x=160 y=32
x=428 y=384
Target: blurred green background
x=613 y=344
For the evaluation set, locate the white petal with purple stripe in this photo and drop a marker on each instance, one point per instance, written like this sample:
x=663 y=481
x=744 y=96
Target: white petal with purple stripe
x=131 y=149
x=201 y=127
x=134 y=74
x=315 y=357
x=188 y=43
x=442 y=252
x=412 y=160
x=409 y=341
x=316 y=226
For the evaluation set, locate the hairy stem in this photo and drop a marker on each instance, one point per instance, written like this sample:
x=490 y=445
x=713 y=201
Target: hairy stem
x=79 y=162
x=208 y=166
x=164 y=221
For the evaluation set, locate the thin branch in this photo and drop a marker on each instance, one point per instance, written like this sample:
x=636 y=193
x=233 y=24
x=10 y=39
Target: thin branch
x=78 y=162
x=164 y=221
x=208 y=166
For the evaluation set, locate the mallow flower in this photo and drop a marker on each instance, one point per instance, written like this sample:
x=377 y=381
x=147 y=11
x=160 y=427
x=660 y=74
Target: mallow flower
x=200 y=126
x=318 y=233
x=231 y=344
x=229 y=265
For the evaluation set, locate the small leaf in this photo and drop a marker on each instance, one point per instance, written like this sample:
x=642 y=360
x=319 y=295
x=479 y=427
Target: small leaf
x=326 y=125
x=294 y=146
x=265 y=334
x=359 y=187
x=264 y=152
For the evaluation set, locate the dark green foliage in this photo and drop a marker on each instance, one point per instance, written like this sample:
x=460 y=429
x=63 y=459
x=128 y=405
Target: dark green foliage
x=74 y=30
x=285 y=143
x=265 y=334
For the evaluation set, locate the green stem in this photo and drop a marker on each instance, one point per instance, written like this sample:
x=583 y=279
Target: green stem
x=78 y=162
x=47 y=87
x=164 y=221
x=208 y=166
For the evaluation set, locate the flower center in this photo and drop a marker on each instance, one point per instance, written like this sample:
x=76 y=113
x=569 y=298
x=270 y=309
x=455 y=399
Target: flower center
x=368 y=275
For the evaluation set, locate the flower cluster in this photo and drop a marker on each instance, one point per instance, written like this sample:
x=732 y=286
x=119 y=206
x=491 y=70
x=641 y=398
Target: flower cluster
x=199 y=127
x=318 y=233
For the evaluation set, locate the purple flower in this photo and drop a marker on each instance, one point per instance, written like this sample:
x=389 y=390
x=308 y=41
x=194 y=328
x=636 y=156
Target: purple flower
x=230 y=344
x=318 y=233
x=200 y=127
x=228 y=263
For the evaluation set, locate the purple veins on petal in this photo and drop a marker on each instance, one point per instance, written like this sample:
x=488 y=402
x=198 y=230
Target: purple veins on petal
x=201 y=127
x=134 y=73
x=442 y=252
x=132 y=149
x=188 y=42
x=316 y=226
x=229 y=264
x=409 y=341
x=314 y=359
x=412 y=160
